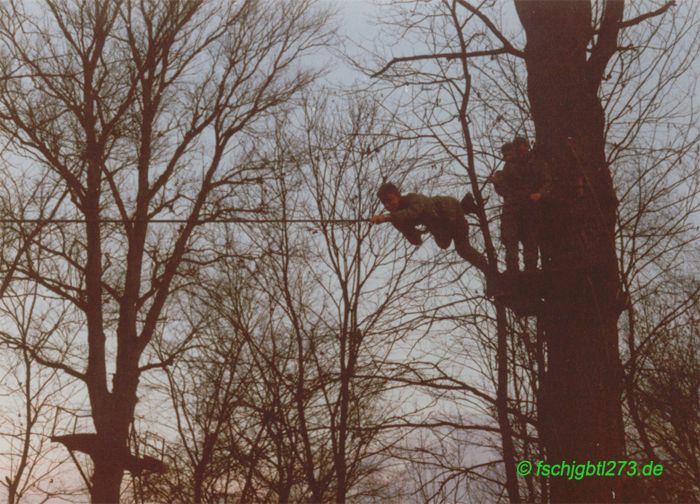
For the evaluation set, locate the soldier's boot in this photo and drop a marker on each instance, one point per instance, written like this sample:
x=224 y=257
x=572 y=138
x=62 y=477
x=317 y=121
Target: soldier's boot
x=468 y=204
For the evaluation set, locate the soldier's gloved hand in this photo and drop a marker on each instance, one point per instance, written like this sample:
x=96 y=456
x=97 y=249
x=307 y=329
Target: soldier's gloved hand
x=378 y=219
x=536 y=196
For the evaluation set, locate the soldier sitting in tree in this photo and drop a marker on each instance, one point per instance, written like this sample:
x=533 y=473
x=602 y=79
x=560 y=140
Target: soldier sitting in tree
x=442 y=216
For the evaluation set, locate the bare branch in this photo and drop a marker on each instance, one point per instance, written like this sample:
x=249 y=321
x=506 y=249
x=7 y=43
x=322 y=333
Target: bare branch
x=647 y=15
x=446 y=56
x=507 y=46
x=13 y=343
x=607 y=40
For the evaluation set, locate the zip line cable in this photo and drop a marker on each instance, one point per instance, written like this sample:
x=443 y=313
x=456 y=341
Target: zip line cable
x=236 y=220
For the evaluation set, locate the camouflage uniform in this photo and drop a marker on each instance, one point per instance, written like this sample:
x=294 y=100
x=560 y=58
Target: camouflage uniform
x=521 y=216
x=443 y=217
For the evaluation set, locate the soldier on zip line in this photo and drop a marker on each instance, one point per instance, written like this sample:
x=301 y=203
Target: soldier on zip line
x=442 y=216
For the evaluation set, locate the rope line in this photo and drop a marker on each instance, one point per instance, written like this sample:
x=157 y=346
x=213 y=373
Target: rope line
x=237 y=220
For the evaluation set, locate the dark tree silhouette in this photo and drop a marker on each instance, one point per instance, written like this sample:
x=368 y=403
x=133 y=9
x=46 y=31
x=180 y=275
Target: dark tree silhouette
x=135 y=109
x=569 y=46
x=566 y=56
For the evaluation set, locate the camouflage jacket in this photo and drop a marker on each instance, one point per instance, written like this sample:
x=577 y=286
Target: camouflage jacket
x=518 y=180
x=431 y=212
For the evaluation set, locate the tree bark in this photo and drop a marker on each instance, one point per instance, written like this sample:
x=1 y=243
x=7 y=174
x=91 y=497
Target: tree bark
x=106 y=480
x=582 y=417
x=113 y=414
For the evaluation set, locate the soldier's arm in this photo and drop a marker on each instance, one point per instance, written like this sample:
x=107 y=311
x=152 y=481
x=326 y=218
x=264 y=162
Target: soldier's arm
x=497 y=180
x=505 y=183
x=407 y=216
x=410 y=233
x=379 y=218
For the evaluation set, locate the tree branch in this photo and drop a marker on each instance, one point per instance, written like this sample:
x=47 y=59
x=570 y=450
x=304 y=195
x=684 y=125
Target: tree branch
x=447 y=56
x=507 y=46
x=642 y=17
x=606 y=45
x=12 y=342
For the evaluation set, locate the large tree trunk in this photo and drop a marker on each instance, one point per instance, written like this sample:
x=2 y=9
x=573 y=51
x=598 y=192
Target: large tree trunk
x=112 y=414
x=106 y=481
x=582 y=415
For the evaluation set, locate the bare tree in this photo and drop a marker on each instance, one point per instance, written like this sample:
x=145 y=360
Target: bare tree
x=175 y=203
x=135 y=111
x=308 y=323
x=36 y=468
x=583 y=371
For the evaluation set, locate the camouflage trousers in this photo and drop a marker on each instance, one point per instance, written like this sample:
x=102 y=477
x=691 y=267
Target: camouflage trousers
x=449 y=225
x=520 y=225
